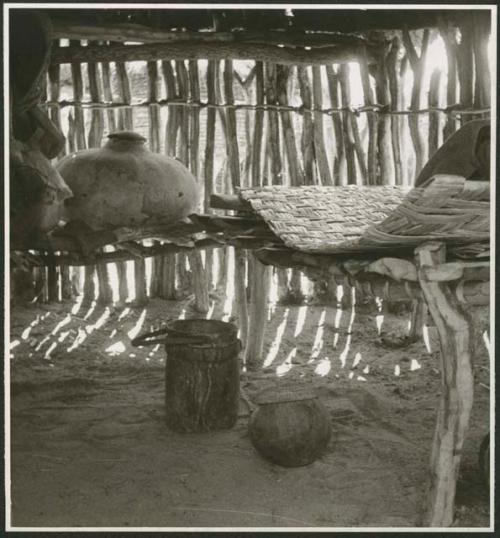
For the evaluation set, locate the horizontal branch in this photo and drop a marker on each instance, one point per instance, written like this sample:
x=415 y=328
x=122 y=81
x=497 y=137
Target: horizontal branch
x=139 y=33
x=210 y=51
x=383 y=110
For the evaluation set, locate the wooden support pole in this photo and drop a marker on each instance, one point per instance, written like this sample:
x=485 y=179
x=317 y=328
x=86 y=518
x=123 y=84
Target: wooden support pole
x=348 y=141
x=154 y=145
x=372 y=123
x=259 y=275
x=105 y=294
x=307 y=136
x=393 y=79
x=455 y=331
x=261 y=278
x=434 y=128
x=200 y=280
x=234 y=167
x=417 y=64
x=447 y=32
x=167 y=288
x=126 y=121
x=273 y=149
x=339 y=163
x=384 y=142
x=55 y=116
x=296 y=174
x=465 y=65
x=481 y=36
x=318 y=127
x=208 y=170
x=80 y=143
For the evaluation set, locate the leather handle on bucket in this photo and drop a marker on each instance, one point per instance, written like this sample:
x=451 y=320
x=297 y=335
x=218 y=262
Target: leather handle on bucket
x=148 y=339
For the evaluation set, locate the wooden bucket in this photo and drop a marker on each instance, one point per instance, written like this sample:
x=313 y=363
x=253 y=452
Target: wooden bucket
x=201 y=375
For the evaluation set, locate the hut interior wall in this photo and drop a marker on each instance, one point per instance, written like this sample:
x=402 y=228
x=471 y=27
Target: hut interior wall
x=247 y=123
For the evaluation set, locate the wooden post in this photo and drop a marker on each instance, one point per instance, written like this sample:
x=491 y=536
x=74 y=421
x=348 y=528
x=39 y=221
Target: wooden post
x=307 y=138
x=455 y=331
x=80 y=143
x=482 y=31
x=348 y=142
x=55 y=116
x=112 y=127
x=434 y=117
x=393 y=79
x=200 y=280
x=372 y=123
x=154 y=145
x=127 y=121
x=417 y=64
x=448 y=34
x=105 y=295
x=167 y=288
x=339 y=163
x=465 y=64
x=208 y=170
x=319 y=139
x=183 y=276
x=259 y=274
x=385 y=151
x=274 y=153
x=234 y=167
x=295 y=171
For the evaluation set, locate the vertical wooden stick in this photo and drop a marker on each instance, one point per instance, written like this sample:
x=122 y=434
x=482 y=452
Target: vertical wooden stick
x=154 y=145
x=79 y=131
x=259 y=274
x=455 y=331
x=307 y=138
x=54 y=73
x=448 y=34
x=274 y=153
x=319 y=138
x=209 y=161
x=482 y=32
x=200 y=280
x=434 y=117
x=339 y=164
x=392 y=70
x=346 y=121
x=105 y=295
x=417 y=64
x=372 y=122
x=465 y=64
x=234 y=167
x=385 y=152
x=167 y=288
x=126 y=119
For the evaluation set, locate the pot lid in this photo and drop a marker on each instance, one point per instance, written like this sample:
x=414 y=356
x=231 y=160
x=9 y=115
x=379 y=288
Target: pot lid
x=285 y=393
x=129 y=136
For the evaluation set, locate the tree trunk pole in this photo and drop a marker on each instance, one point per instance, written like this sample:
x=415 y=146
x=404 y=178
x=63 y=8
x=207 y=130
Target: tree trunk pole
x=455 y=331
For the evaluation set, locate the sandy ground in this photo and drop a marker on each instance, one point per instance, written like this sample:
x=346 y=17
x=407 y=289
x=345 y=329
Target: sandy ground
x=90 y=447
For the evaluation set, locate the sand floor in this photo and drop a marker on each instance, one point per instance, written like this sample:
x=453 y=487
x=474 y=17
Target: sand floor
x=89 y=447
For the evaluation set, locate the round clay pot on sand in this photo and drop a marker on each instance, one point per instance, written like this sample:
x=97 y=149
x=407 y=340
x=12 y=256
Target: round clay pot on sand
x=290 y=427
x=125 y=184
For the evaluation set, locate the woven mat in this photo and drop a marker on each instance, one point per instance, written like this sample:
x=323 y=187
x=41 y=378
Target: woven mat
x=332 y=220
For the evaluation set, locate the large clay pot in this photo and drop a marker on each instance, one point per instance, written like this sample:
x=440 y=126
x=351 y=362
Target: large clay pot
x=290 y=427
x=125 y=184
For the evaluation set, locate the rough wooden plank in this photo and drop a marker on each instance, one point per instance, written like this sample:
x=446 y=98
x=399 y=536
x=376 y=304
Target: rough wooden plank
x=318 y=129
x=210 y=51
